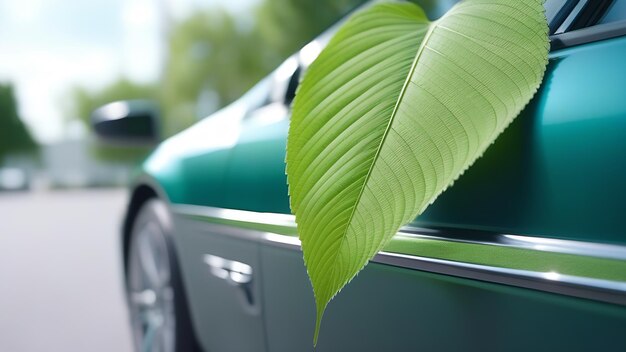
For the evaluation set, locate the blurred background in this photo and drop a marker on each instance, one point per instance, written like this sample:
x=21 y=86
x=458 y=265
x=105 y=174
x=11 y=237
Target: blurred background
x=61 y=60
x=61 y=191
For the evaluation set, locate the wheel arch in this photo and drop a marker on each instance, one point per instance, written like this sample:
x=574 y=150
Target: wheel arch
x=140 y=194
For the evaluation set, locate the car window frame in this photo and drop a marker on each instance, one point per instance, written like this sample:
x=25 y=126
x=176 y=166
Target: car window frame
x=571 y=33
x=587 y=35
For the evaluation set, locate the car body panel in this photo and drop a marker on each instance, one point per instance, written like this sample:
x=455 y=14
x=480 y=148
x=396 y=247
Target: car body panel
x=537 y=179
x=482 y=271
x=256 y=171
x=390 y=307
x=394 y=309
x=223 y=317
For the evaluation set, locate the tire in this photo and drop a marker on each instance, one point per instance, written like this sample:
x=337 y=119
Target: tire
x=160 y=319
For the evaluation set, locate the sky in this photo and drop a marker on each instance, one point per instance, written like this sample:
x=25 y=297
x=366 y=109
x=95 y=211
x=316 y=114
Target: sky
x=49 y=46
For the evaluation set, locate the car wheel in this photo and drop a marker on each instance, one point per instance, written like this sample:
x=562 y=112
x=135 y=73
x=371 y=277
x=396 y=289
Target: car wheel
x=158 y=311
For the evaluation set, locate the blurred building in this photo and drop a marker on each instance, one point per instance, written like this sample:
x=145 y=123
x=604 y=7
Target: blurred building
x=70 y=164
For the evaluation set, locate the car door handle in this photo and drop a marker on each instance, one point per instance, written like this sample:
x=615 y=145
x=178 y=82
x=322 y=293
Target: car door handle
x=235 y=273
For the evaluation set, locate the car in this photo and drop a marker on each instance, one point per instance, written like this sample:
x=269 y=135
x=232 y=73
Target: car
x=526 y=252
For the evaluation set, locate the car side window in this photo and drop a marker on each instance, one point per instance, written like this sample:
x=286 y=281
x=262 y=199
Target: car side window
x=588 y=13
x=589 y=21
x=285 y=80
x=294 y=81
x=616 y=12
x=557 y=11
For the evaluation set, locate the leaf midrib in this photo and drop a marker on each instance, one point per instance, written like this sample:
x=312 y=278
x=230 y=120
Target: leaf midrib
x=420 y=51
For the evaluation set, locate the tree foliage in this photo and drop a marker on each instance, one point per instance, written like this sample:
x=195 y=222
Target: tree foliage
x=287 y=25
x=209 y=54
x=14 y=136
x=213 y=58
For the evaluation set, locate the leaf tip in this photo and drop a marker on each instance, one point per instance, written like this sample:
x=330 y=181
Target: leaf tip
x=318 y=322
x=317 y=332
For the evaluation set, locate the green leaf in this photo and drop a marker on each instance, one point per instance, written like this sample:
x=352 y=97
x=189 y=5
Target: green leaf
x=394 y=109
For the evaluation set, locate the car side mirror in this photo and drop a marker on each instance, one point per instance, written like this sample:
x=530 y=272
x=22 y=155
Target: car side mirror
x=133 y=122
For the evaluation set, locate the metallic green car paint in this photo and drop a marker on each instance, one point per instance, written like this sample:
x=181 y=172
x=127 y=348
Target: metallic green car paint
x=557 y=171
x=392 y=309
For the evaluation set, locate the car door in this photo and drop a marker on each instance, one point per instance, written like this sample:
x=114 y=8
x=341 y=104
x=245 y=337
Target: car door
x=220 y=264
x=525 y=252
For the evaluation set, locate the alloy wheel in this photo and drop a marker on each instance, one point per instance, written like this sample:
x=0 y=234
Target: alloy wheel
x=151 y=295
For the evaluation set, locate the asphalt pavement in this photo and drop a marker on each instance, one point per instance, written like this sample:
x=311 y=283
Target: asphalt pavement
x=60 y=272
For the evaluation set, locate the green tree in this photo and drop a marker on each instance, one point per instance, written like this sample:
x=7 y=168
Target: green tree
x=210 y=53
x=14 y=136
x=213 y=53
x=213 y=58
x=287 y=25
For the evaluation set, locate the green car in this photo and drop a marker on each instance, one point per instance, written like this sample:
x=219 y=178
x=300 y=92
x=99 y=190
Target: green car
x=526 y=252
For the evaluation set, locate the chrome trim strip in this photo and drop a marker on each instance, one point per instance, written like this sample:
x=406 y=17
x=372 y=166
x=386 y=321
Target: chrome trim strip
x=238 y=215
x=599 y=250
x=553 y=245
x=600 y=290
x=282 y=240
x=582 y=287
